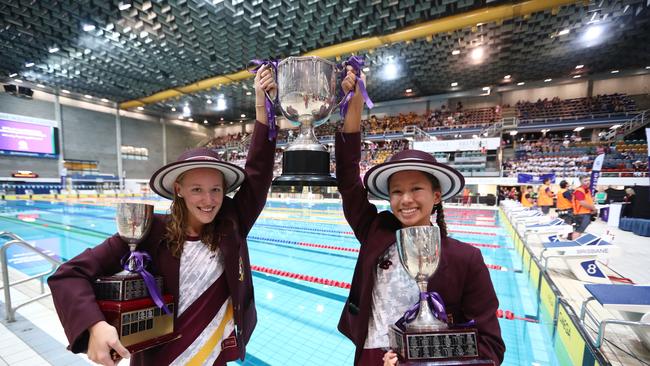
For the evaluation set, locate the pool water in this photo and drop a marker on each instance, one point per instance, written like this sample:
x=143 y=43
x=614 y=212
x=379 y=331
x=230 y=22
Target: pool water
x=303 y=257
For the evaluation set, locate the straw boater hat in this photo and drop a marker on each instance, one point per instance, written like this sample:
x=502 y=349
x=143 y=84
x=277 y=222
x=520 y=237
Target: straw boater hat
x=162 y=182
x=376 y=179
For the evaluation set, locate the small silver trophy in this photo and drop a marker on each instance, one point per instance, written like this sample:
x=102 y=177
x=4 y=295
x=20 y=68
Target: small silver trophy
x=424 y=337
x=307 y=96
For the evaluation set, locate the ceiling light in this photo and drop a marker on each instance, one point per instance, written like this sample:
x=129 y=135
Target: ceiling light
x=647 y=67
x=563 y=32
x=614 y=71
x=593 y=33
x=614 y=127
x=390 y=71
x=65 y=91
x=29 y=64
x=18 y=80
x=88 y=96
x=88 y=27
x=191 y=119
x=205 y=121
x=126 y=30
x=13 y=74
x=209 y=101
x=455 y=52
x=141 y=108
x=578 y=129
x=409 y=90
x=477 y=54
x=105 y=100
x=143 y=34
x=521 y=83
x=507 y=77
x=124 y=5
x=486 y=88
x=513 y=133
x=577 y=76
x=230 y=122
x=53 y=49
x=454 y=84
x=173 y=109
x=547 y=80
x=186 y=110
x=248 y=93
x=221 y=104
x=578 y=67
x=366 y=69
x=221 y=119
x=243 y=116
x=40 y=86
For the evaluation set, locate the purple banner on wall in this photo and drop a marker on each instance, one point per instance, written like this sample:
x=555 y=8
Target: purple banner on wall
x=26 y=137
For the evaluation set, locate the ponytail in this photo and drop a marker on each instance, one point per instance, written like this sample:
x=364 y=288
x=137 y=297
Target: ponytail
x=440 y=219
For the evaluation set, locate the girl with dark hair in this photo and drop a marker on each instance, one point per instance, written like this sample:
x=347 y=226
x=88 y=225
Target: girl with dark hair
x=200 y=250
x=415 y=186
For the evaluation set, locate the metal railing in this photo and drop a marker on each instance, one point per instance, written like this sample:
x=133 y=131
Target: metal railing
x=10 y=311
x=602 y=325
x=416 y=132
x=628 y=127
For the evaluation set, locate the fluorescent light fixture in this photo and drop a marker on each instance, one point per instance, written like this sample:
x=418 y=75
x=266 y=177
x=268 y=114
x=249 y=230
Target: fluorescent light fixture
x=545 y=130
x=577 y=76
x=614 y=72
x=366 y=69
x=105 y=100
x=18 y=80
x=13 y=74
x=221 y=104
x=563 y=32
x=209 y=101
x=88 y=27
x=173 y=109
x=390 y=71
x=88 y=96
x=614 y=127
x=40 y=86
x=124 y=5
x=578 y=67
x=205 y=121
x=513 y=133
x=141 y=108
x=186 y=110
x=221 y=119
x=29 y=64
x=455 y=52
x=521 y=83
x=53 y=49
x=486 y=88
x=409 y=90
x=454 y=84
x=65 y=91
x=248 y=93
x=578 y=129
x=243 y=115
x=507 y=77
x=547 y=80
x=191 y=119
x=647 y=67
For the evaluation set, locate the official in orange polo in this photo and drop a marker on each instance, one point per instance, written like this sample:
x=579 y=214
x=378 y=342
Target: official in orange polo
x=583 y=207
x=545 y=196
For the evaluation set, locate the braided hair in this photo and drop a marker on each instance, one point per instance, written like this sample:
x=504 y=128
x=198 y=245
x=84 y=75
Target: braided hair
x=440 y=219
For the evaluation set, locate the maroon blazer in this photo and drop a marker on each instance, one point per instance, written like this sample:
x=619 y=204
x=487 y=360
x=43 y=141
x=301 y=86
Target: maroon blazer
x=71 y=285
x=462 y=279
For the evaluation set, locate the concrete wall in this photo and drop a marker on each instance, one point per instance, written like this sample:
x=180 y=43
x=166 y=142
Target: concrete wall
x=147 y=134
x=565 y=91
x=630 y=85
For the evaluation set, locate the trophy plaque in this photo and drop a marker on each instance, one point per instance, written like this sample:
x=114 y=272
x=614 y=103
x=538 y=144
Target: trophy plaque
x=425 y=337
x=130 y=300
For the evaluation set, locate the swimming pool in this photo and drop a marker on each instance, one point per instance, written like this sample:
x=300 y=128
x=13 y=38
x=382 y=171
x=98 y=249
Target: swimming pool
x=303 y=257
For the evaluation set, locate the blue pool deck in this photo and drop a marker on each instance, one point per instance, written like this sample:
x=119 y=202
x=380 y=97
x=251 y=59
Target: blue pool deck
x=297 y=315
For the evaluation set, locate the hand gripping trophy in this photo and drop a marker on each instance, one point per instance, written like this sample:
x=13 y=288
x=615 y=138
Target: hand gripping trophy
x=131 y=300
x=307 y=96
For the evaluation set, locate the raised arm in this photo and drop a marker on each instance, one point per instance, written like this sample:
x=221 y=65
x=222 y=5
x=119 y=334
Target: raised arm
x=251 y=197
x=359 y=212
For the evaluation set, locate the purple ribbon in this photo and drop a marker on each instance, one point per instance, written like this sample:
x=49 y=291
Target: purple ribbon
x=268 y=103
x=140 y=260
x=438 y=309
x=357 y=63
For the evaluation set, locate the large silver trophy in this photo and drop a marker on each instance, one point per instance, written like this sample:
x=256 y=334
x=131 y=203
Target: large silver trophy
x=424 y=337
x=307 y=96
x=131 y=300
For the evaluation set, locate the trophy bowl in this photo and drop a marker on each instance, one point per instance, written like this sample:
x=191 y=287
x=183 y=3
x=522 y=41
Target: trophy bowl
x=133 y=221
x=307 y=96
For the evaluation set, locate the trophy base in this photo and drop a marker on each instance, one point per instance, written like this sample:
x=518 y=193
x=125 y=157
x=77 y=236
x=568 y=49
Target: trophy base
x=458 y=346
x=305 y=168
x=140 y=323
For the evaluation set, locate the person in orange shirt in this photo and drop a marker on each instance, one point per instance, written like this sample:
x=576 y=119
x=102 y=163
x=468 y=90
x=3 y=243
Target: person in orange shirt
x=564 y=205
x=583 y=207
x=545 y=196
x=527 y=197
x=467 y=196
